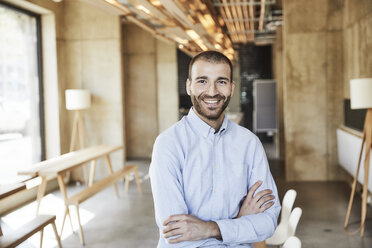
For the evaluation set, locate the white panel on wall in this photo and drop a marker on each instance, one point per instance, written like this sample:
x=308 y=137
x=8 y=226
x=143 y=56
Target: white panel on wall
x=265 y=106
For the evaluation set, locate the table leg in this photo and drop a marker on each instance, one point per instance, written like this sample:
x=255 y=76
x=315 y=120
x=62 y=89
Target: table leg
x=56 y=234
x=41 y=193
x=62 y=187
x=138 y=182
x=112 y=172
x=92 y=172
x=80 y=227
x=127 y=180
x=41 y=237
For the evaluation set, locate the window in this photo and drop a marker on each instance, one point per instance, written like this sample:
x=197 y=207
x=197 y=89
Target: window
x=21 y=115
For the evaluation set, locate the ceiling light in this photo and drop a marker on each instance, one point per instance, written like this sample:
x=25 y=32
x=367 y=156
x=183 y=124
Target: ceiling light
x=217 y=46
x=192 y=34
x=155 y=2
x=201 y=45
x=111 y=1
x=140 y=7
x=219 y=37
x=181 y=41
x=180 y=46
x=209 y=19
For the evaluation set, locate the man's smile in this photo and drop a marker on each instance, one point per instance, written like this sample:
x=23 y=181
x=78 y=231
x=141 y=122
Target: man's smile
x=211 y=102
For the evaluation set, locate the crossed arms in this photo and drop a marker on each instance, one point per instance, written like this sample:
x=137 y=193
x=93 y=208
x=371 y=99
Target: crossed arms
x=189 y=227
x=255 y=221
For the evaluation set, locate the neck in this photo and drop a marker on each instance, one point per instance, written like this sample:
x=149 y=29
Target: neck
x=214 y=123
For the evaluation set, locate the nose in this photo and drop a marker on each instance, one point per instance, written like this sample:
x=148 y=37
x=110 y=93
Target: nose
x=211 y=90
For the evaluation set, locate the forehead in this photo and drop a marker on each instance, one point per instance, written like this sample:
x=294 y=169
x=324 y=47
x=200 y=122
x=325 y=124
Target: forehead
x=210 y=69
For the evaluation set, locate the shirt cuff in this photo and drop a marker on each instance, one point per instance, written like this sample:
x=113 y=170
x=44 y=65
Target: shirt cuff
x=227 y=231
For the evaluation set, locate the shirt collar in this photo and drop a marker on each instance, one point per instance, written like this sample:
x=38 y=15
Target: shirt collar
x=202 y=127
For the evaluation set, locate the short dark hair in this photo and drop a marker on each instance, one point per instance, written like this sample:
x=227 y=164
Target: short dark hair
x=211 y=56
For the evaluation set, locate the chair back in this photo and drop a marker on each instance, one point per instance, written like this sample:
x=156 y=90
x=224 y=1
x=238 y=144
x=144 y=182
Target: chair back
x=292 y=242
x=294 y=218
x=287 y=205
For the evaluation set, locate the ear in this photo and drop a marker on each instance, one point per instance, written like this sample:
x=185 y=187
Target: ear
x=188 y=87
x=232 y=88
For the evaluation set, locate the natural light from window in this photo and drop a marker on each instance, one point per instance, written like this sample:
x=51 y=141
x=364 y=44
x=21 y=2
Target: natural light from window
x=20 y=130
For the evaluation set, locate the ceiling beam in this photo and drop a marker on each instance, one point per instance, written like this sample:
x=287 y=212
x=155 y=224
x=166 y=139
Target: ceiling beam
x=240 y=3
x=262 y=14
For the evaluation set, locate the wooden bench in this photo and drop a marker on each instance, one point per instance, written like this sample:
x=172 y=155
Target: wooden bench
x=35 y=225
x=97 y=187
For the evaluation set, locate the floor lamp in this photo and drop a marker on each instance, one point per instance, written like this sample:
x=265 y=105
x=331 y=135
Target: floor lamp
x=77 y=100
x=361 y=98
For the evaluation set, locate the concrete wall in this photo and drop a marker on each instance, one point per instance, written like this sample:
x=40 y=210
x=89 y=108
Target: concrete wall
x=139 y=49
x=151 y=93
x=357 y=37
x=168 y=99
x=91 y=59
x=313 y=88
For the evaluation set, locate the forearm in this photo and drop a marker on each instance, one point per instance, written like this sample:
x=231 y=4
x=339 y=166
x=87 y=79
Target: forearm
x=250 y=228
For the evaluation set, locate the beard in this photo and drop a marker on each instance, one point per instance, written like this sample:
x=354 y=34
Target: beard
x=213 y=113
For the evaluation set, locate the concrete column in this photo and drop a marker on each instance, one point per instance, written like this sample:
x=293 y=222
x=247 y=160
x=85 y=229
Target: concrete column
x=151 y=89
x=312 y=87
x=168 y=99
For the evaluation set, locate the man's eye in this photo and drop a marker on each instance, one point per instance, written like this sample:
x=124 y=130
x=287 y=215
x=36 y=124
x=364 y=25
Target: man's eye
x=221 y=82
x=202 y=81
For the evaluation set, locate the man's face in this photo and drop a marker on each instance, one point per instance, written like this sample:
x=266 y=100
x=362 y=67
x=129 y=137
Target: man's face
x=210 y=88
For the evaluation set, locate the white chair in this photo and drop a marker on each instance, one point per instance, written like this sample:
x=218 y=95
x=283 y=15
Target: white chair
x=279 y=236
x=292 y=242
x=285 y=233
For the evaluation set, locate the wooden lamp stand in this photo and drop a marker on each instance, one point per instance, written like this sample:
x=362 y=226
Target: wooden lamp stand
x=78 y=100
x=78 y=131
x=367 y=141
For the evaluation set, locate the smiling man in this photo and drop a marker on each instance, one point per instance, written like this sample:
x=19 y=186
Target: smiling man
x=210 y=178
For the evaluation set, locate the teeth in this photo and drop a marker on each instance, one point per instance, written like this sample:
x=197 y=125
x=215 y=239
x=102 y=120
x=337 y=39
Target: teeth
x=211 y=101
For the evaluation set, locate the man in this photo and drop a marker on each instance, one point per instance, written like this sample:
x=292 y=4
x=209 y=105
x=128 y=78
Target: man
x=205 y=170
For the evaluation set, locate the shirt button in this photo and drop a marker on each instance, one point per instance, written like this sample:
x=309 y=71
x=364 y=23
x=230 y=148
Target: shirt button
x=215 y=191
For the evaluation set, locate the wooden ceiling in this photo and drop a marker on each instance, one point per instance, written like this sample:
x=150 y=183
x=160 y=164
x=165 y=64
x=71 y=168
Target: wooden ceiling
x=199 y=25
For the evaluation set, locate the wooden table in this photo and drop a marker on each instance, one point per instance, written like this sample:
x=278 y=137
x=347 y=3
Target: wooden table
x=8 y=190
x=58 y=166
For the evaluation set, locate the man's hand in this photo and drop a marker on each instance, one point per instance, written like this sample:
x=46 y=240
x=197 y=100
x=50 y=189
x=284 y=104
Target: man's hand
x=256 y=204
x=189 y=228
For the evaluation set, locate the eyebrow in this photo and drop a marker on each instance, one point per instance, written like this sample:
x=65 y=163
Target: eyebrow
x=219 y=78
x=223 y=78
x=201 y=77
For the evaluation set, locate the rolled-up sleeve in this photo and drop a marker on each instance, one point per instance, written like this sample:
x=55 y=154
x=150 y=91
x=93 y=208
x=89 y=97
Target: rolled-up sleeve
x=255 y=227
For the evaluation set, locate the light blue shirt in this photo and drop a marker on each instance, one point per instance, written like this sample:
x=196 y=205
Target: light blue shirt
x=197 y=171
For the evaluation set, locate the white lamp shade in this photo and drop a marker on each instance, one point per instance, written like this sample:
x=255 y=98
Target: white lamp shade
x=361 y=93
x=77 y=99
